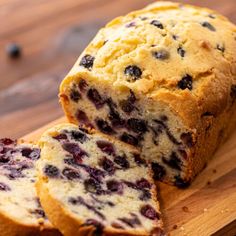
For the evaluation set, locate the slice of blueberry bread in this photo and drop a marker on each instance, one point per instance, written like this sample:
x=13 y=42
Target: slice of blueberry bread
x=162 y=79
x=91 y=184
x=20 y=210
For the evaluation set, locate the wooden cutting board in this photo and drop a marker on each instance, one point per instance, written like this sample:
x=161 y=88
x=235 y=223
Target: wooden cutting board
x=208 y=206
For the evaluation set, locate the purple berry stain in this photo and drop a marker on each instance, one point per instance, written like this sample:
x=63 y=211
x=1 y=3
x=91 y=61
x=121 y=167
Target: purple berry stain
x=106 y=147
x=149 y=212
x=51 y=171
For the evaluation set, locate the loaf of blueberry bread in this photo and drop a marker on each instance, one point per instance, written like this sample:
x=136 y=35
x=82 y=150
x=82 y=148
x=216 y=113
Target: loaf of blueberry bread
x=91 y=184
x=20 y=211
x=163 y=79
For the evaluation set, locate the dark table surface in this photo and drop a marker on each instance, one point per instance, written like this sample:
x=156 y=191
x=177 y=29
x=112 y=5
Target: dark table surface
x=52 y=34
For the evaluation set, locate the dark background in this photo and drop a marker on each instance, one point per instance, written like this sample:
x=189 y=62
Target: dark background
x=52 y=33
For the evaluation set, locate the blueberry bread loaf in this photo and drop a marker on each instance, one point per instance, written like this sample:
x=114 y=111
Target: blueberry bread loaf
x=20 y=211
x=90 y=184
x=162 y=79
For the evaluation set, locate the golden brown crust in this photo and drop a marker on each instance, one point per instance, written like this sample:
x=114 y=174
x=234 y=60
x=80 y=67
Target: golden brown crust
x=10 y=227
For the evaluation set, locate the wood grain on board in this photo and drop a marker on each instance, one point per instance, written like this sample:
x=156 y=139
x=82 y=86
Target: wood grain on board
x=52 y=34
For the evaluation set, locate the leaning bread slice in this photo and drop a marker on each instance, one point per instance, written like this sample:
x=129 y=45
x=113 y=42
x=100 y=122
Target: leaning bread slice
x=91 y=184
x=20 y=210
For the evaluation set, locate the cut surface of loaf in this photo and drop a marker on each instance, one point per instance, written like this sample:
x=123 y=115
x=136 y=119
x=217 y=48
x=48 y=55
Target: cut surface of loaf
x=20 y=210
x=162 y=79
x=90 y=184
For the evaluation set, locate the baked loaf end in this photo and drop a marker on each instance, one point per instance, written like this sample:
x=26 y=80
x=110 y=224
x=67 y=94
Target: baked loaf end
x=20 y=209
x=163 y=79
x=90 y=184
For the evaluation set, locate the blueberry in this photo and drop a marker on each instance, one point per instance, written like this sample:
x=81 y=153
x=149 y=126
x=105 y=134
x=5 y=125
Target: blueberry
x=92 y=186
x=83 y=118
x=220 y=48
x=4 y=159
x=13 y=50
x=114 y=116
x=175 y=37
x=87 y=61
x=143 y=183
x=83 y=85
x=122 y=161
x=208 y=26
x=51 y=171
x=181 y=51
x=15 y=174
x=104 y=127
x=185 y=82
x=75 y=95
x=70 y=173
x=75 y=150
x=81 y=201
x=137 y=125
x=60 y=137
x=70 y=161
x=174 y=161
x=149 y=212
x=114 y=186
x=33 y=154
x=163 y=118
x=78 y=136
x=158 y=171
x=130 y=139
x=131 y=24
x=161 y=54
x=187 y=137
x=146 y=195
x=106 y=147
x=39 y=212
x=128 y=105
x=4 y=187
x=139 y=160
x=134 y=72
x=181 y=183
x=6 y=141
x=95 y=173
x=157 y=23
x=131 y=222
x=107 y=165
x=94 y=96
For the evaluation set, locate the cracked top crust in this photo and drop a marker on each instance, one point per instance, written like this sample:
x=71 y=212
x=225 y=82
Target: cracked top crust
x=167 y=51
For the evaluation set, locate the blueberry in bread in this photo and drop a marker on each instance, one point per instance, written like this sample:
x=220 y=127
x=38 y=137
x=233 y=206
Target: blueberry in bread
x=20 y=210
x=91 y=184
x=162 y=79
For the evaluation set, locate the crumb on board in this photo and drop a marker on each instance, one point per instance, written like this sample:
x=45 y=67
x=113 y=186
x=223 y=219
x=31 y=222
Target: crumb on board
x=205 y=210
x=185 y=209
x=175 y=227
